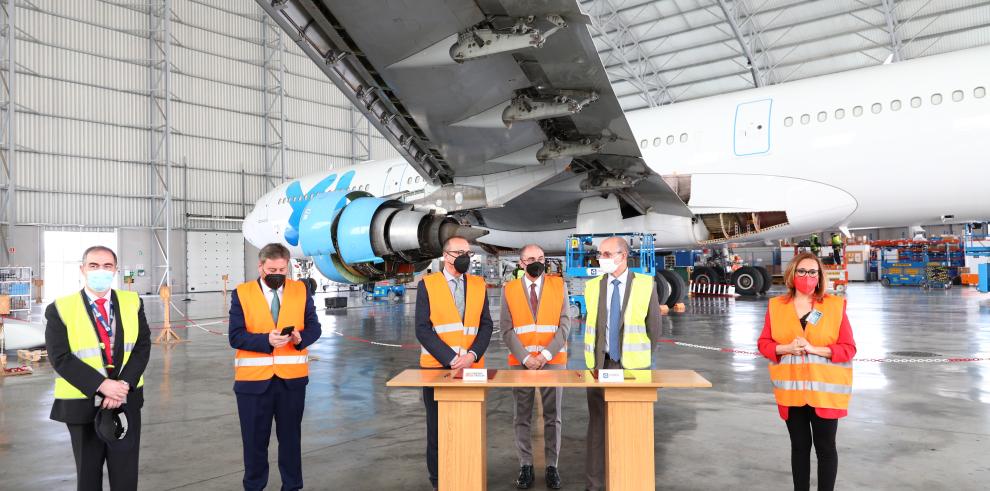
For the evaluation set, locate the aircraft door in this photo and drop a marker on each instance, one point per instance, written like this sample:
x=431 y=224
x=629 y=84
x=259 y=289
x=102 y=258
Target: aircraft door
x=393 y=179
x=752 y=127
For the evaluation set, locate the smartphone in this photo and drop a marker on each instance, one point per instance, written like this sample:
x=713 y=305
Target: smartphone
x=287 y=330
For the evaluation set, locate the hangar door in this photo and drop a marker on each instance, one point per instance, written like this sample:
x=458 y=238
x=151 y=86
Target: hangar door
x=212 y=255
x=752 y=127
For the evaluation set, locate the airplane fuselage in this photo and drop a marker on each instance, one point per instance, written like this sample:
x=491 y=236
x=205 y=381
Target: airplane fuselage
x=893 y=145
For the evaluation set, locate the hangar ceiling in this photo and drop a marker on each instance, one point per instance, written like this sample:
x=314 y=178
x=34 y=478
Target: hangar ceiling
x=659 y=52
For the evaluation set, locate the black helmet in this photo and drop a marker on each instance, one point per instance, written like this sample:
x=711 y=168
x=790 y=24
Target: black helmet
x=113 y=427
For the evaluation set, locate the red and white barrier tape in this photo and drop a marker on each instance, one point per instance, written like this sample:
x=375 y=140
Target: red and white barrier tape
x=864 y=360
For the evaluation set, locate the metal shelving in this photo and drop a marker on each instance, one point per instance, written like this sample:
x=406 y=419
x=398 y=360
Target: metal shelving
x=15 y=282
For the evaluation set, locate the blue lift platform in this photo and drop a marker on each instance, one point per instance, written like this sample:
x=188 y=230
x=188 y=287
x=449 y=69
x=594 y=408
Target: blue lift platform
x=581 y=260
x=978 y=245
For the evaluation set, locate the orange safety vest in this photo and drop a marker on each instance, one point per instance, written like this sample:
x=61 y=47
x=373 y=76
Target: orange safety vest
x=455 y=332
x=286 y=362
x=536 y=334
x=809 y=379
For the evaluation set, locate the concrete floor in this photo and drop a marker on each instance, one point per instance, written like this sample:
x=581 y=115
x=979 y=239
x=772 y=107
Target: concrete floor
x=911 y=425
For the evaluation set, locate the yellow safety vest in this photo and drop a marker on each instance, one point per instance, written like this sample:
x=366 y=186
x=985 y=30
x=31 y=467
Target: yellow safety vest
x=636 y=348
x=809 y=379
x=85 y=344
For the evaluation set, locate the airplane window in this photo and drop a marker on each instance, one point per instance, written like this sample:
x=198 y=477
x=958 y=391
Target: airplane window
x=915 y=102
x=788 y=121
x=979 y=92
x=957 y=95
x=822 y=117
x=840 y=113
x=858 y=111
x=657 y=141
x=643 y=144
x=805 y=119
x=409 y=181
x=936 y=98
x=419 y=179
x=683 y=137
x=670 y=139
x=895 y=105
x=876 y=108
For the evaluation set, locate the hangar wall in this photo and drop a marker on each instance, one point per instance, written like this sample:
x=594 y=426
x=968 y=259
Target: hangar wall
x=103 y=88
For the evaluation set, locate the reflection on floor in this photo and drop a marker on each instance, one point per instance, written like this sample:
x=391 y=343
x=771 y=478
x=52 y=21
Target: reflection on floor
x=911 y=425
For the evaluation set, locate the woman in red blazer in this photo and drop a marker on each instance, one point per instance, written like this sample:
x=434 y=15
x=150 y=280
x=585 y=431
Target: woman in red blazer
x=809 y=342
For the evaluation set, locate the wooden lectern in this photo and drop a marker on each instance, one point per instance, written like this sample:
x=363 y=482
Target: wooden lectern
x=628 y=406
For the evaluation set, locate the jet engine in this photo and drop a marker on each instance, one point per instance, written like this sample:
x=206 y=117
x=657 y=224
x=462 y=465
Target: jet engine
x=354 y=237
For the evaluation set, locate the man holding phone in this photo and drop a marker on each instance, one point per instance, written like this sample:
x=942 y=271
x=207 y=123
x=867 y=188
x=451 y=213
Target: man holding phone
x=272 y=322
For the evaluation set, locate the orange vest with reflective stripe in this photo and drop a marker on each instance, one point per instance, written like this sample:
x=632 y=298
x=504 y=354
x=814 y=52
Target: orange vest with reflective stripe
x=809 y=379
x=536 y=334
x=286 y=362
x=456 y=332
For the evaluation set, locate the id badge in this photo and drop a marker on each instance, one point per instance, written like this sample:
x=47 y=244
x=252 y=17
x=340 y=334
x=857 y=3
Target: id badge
x=814 y=317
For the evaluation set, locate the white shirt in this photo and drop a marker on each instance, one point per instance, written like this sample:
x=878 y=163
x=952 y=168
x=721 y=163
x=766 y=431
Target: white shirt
x=608 y=297
x=528 y=282
x=92 y=297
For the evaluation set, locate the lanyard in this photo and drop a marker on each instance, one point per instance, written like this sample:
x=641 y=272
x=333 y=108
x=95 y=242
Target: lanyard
x=106 y=325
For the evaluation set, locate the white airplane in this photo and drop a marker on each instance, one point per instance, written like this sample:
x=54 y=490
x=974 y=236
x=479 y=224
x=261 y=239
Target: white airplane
x=538 y=159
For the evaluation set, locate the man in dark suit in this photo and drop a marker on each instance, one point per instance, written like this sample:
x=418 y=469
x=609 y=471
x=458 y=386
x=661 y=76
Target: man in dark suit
x=99 y=343
x=271 y=369
x=622 y=326
x=454 y=325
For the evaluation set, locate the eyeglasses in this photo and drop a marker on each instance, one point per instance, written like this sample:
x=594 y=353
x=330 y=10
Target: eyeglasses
x=459 y=253
x=609 y=254
x=531 y=260
x=807 y=272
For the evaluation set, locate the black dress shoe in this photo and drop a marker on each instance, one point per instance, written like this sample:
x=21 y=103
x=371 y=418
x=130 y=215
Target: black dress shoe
x=553 y=479
x=525 y=480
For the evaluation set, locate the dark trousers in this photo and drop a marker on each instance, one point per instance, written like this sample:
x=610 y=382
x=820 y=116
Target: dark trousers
x=432 y=414
x=90 y=453
x=256 y=412
x=595 y=440
x=806 y=428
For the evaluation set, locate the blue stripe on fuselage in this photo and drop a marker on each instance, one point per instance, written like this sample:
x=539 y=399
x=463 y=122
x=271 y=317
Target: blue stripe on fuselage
x=295 y=191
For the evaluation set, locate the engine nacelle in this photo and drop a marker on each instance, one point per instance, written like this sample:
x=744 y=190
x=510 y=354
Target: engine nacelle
x=354 y=237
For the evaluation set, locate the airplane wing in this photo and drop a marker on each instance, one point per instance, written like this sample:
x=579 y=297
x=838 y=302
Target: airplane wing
x=525 y=114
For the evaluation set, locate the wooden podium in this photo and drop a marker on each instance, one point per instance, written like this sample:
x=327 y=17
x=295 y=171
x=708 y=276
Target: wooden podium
x=628 y=406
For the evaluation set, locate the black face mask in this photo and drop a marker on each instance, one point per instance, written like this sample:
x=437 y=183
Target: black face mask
x=535 y=269
x=274 y=281
x=462 y=263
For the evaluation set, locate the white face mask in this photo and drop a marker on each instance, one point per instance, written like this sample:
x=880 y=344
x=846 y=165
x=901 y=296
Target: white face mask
x=607 y=265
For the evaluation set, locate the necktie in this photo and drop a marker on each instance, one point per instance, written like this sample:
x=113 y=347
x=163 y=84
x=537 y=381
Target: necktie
x=614 y=314
x=276 y=305
x=101 y=329
x=533 y=298
x=459 y=296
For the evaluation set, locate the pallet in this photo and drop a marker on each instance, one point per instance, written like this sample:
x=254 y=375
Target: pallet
x=34 y=355
x=13 y=372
